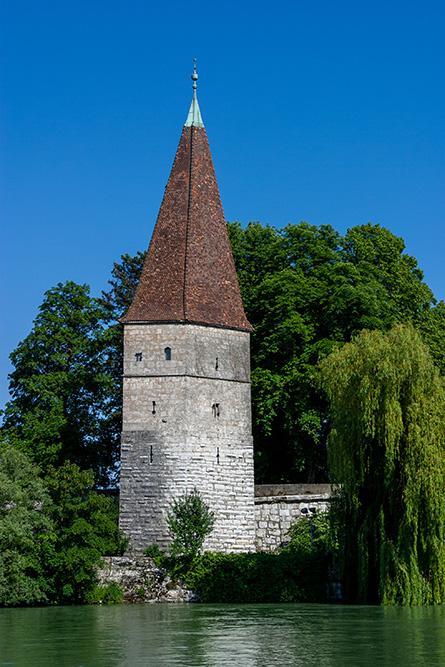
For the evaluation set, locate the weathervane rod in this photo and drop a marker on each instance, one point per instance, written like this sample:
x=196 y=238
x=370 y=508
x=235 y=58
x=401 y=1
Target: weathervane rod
x=194 y=116
x=194 y=75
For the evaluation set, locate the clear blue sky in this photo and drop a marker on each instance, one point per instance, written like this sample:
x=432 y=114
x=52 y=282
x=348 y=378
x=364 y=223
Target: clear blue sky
x=326 y=111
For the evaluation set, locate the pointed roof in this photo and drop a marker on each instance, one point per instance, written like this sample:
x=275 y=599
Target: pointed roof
x=189 y=273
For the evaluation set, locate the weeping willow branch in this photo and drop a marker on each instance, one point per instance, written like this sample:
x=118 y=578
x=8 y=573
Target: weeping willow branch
x=386 y=450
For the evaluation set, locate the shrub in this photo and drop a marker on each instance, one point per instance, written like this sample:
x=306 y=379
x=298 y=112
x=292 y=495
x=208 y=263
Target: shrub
x=25 y=530
x=323 y=538
x=155 y=552
x=295 y=573
x=190 y=521
x=259 y=577
x=109 y=594
x=85 y=530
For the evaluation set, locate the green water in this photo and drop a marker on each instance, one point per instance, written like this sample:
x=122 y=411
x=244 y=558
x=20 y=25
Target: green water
x=214 y=635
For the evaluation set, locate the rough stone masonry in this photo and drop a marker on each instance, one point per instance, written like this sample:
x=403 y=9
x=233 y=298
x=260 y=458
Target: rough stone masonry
x=186 y=386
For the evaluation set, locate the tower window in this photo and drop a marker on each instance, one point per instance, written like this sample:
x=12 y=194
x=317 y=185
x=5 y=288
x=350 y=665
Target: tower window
x=216 y=364
x=153 y=407
x=168 y=354
x=215 y=410
x=138 y=356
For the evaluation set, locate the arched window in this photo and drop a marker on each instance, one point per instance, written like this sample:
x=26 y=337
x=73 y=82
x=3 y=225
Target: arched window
x=168 y=354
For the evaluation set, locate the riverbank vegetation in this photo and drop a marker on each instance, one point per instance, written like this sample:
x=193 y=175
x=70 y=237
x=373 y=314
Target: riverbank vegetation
x=54 y=529
x=300 y=571
x=308 y=292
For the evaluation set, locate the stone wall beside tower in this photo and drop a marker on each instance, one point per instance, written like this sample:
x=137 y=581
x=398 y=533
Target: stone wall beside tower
x=186 y=424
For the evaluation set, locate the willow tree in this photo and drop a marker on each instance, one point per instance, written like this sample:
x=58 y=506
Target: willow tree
x=387 y=451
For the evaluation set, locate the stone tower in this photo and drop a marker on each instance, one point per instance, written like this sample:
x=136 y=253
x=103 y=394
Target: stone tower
x=186 y=395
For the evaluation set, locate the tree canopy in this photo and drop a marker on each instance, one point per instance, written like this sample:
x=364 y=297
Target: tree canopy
x=53 y=532
x=305 y=289
x=386 y=450
x=25 y=528
x=85 y=529
x=65 y=393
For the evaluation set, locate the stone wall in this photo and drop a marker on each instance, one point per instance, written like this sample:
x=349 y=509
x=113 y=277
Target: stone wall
x=142 y=581
x=187 y=423
x=278 y=507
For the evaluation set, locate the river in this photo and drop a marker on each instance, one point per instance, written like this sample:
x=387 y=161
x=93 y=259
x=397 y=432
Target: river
x=218 y=635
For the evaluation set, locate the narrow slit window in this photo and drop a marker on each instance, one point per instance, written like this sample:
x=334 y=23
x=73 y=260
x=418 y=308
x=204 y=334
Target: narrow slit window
x=216 y=364
x=215 y=410
x=168 y=354
x=151 y=453
x=153 y=407
x=138 y=356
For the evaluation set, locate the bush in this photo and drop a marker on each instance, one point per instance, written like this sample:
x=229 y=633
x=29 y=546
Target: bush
x=323 y=538
x=155 y=552
x=190 y=521
x=109 y=594
x=258 y=577
x=295 y=573
x=25 y=530
x=85 y=530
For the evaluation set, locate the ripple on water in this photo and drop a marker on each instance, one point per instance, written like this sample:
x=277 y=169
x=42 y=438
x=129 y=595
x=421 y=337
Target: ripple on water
x=220 y=635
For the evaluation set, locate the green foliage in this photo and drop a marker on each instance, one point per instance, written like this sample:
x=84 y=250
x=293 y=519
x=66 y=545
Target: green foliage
x=25 y=529
x=109 y=594
x=295 y=573
x=124 y=280
x=323 y=538
x=386 y=449
x=155 y=552
x=306 y=290
x=85 y=530
x=53 y=532
x=65 y=398
x=258 y=577
x=189 y=521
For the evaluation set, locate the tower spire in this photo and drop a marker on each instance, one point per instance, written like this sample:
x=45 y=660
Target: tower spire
x=186 y=409
x=194 y=116
x=189 y=274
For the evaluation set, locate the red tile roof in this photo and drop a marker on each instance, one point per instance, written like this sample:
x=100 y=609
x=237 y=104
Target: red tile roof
x=189 y=273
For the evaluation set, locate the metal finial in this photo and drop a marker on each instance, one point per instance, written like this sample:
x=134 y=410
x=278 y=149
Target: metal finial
x=194 y=75
x=194 y=116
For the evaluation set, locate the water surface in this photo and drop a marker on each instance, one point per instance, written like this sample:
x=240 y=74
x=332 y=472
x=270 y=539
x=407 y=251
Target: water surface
x=219 y=635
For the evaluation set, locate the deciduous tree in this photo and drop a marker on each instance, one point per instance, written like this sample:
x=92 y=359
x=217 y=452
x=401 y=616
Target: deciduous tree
x=306 y=289
x=85 y=529
x=387 y=451
x=25 y=529
x=65 y=400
